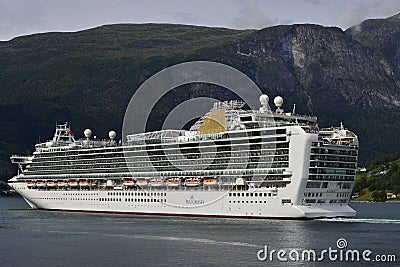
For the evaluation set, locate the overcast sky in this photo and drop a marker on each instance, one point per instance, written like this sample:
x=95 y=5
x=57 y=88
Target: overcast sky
x=22 y=17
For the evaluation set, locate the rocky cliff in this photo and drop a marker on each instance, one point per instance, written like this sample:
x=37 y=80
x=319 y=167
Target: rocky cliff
x=88 y=77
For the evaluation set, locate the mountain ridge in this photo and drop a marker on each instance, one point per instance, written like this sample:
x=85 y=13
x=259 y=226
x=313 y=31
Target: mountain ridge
x=90 y=75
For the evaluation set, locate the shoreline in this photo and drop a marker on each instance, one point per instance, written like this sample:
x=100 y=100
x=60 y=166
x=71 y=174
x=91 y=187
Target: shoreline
x=366 y=201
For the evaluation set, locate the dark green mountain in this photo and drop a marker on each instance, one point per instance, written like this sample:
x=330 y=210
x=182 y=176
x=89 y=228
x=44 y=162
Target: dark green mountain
x=88 y=77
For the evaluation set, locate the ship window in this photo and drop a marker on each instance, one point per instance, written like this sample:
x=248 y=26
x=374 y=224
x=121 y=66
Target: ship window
x=313 y=185
x=246 y=118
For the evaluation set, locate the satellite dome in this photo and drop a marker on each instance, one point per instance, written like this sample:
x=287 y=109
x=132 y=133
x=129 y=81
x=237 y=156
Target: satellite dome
x=264 y=100
x=87 y=133
x=278 y=101
x=112 y=135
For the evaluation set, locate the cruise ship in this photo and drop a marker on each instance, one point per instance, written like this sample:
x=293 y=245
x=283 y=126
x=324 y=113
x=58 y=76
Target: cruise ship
x=233 y=162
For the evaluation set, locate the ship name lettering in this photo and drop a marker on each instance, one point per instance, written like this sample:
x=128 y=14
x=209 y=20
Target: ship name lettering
x=194 y=201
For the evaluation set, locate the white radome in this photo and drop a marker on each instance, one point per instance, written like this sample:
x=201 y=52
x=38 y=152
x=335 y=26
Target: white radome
x=87 y=133
x=278 y=101
x=264 y=99
x=112 y=135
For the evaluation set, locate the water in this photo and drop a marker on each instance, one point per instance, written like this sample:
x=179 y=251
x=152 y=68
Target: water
x=45 y=238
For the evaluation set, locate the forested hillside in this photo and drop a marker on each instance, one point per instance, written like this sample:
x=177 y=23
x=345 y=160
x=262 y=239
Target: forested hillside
x=88 y=77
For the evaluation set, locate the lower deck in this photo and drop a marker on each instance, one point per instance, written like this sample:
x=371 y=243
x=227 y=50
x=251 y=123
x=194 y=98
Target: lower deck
x=253 y=202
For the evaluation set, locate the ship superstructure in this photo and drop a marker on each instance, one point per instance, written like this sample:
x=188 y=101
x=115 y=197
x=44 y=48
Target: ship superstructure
x=231 y=163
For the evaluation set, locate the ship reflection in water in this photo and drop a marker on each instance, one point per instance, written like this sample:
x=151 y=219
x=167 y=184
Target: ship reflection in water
x=51 y=238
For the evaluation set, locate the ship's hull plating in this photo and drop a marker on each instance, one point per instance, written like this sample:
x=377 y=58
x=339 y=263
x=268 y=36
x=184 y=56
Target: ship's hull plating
x=257 y=203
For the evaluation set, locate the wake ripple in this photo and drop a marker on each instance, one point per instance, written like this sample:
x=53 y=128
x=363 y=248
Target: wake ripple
x=151 y=237
x=361 y=220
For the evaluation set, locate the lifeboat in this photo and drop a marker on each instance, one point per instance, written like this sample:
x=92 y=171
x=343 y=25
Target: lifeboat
x=83 y=183
x=210 y=181
x=192 y=182
x=129 y=182
x=142 y=182
x=173 y=182
x=73 y=183
x=40 y=184
x=156 y=182
x=61 y=183
x=51 y=184
x=30 y=184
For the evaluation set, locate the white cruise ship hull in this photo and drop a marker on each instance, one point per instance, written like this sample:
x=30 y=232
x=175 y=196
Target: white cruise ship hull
x=201 y=203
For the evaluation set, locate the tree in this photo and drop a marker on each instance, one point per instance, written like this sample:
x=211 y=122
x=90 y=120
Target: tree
x=379 y=196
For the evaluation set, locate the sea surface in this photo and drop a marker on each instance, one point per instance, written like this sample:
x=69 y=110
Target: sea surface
x=49 y=238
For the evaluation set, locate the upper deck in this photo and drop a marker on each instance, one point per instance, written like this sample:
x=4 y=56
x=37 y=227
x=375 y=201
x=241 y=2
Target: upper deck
x=223 y=120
